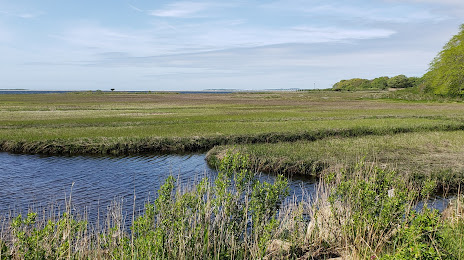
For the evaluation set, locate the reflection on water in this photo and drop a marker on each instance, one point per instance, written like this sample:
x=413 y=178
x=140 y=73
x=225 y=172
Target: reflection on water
x=34 y=181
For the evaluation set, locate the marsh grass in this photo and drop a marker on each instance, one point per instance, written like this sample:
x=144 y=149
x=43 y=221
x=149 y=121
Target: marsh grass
x=420 y=156
x=119 y=123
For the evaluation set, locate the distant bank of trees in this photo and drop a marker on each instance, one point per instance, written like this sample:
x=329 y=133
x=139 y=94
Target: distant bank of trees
x=444 y=77
x=380 y=83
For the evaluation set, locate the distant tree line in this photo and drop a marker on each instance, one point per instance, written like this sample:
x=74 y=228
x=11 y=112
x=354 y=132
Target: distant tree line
x=444 y=77
x=380 y=83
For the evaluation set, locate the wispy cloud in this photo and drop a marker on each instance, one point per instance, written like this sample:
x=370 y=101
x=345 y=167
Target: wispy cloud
x=449 y=7
x=182 y=9
x=24 y=15
x=393 y=14
x=340 y=11
x=136 y=8
x=165 y=39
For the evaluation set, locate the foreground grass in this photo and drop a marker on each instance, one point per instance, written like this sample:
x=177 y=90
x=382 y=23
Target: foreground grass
x=363 y=212
x=119 y=123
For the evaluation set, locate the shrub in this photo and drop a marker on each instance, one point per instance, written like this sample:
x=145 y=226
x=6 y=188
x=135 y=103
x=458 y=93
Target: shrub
x=368 y=204
x=234 y=218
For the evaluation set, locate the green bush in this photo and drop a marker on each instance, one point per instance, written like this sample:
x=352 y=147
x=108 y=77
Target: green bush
x=420 y=237
x=234 y=218
x=52 y=241
x=368 y=203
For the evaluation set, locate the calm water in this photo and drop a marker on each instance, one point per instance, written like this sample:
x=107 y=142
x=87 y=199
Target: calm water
x=34 y=181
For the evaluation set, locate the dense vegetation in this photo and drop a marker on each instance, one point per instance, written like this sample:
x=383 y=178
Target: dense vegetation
x=446 y=72
x=360 y=212
x=380 y=83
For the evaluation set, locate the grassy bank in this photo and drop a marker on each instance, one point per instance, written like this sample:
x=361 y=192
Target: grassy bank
x=133 y=145
x=363 y=212
x=419 y=155
x=119 y=123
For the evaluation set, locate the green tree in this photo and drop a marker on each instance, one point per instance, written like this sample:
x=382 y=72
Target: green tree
x=380 y=83
x=352 y=84
x=446 y=73
x=415 y=81
x=400 y=81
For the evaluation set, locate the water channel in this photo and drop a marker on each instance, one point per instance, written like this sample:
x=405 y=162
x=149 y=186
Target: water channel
x=39 y=182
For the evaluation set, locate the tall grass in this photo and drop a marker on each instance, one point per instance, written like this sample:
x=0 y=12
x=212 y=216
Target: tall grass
x=363 y=212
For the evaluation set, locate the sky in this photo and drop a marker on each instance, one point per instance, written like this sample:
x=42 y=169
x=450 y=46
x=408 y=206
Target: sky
x=236 y=44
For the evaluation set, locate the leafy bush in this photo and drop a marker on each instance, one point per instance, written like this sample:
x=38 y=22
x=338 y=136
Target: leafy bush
x=53 y=241
x=234 y=218
x=420 y=237
x=368 y=204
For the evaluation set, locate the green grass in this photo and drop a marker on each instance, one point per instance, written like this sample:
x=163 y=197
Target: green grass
x=420 y=155
x=123 y=119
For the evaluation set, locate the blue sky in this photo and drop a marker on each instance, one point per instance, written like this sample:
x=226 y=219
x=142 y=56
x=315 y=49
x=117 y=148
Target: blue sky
x=235 y=44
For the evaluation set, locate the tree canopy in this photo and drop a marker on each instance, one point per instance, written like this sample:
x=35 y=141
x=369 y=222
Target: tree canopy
x=400 y=81
x=446 y=73
x=380 y=83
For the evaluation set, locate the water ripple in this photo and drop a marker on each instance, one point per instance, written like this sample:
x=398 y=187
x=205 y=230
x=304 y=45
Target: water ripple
x=34 y=181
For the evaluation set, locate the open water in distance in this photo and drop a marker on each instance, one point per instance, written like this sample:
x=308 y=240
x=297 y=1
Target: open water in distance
x=36 y=182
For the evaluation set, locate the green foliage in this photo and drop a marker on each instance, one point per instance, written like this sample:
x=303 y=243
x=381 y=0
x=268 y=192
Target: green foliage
x=369 y=202
x=420 y=237
x=4 y=251
x=352 y=84
x=446 y=72
x=52 y=241
x=234 y=218
x=416 y=81
x=380 y=83
x=453 y=239
x=400 y=81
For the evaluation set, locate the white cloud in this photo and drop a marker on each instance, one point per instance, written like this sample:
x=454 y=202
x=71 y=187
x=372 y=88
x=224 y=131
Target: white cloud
x=181 y=9
x=165 y=39
x=329 y=34
x=454 y=8
x=341 y=11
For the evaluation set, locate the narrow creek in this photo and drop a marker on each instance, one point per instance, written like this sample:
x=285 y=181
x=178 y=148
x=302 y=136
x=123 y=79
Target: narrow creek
x=40 y=182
